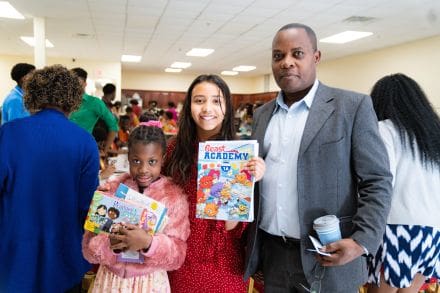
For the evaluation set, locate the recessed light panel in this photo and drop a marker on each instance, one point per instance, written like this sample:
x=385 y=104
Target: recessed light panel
x=229 y=72
x=244 y=68
x=345 y=37
x=131 y=58
x=173 y=70
x=8 y=11
x=180 y=65
x=31 y=42
x=199 y=52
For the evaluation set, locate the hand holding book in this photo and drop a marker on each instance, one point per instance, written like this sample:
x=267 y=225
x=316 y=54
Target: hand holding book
x=256 y=167
x=130 y=237
x=130 y=217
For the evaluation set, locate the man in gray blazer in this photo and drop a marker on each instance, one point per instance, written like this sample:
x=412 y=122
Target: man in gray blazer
x=323 y=156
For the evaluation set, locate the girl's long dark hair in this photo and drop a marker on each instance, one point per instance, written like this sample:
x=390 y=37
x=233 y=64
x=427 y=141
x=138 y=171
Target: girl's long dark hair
x=181 y=160
x=399 y=98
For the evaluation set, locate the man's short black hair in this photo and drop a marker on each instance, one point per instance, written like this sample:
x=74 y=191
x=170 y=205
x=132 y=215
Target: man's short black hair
x=81 y=73
x=21 y=69
x=310 y=32
x=109 y=88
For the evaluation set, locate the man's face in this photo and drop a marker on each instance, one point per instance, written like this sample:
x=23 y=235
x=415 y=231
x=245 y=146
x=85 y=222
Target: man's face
x=83 y=83
x=294 y=60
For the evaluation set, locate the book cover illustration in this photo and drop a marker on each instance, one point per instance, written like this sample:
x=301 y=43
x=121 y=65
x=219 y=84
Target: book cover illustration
x=156 y=211
x=224 y=189
x=106 y=210
x=155 y=217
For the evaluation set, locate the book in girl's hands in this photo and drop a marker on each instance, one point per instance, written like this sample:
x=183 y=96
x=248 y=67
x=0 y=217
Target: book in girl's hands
x=156 y=217
x=225 y=190
x=127 y=206
x=156 y=211
x=106 y=211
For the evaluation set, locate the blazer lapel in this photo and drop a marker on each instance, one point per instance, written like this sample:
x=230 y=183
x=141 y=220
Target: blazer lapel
x=322 y=107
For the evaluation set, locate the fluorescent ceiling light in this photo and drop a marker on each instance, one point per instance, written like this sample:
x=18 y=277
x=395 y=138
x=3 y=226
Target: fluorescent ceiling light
x=173 y=70
x=180 y=65
x=346 y=37
x=7 y=11
x=31 y=42
x=131 y=58
x=228 y=72
x=243 y=68
x=199 y=52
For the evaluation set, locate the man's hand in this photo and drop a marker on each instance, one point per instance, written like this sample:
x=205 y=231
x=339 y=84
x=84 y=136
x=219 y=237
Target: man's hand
x=342 y=252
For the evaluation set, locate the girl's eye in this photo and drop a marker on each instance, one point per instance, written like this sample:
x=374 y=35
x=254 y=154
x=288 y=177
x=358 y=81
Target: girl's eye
x=152 y=162
x=198 y=100
x=216 y=101
x=136 y=161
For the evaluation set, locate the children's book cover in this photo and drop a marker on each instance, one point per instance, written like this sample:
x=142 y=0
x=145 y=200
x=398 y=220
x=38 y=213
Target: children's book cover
x=156 y=211
x=155 y=217
x=106 y=210
x=225 y=191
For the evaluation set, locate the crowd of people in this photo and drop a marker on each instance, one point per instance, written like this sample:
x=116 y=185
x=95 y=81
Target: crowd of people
x=372 y=161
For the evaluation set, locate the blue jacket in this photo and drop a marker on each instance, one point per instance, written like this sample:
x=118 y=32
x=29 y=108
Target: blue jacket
x=13 y=106
x=48 y=173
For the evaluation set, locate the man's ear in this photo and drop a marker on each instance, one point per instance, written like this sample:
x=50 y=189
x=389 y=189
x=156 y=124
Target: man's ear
x=317 y=56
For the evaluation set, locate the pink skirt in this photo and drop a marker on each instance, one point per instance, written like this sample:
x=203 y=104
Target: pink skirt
x=106 y=282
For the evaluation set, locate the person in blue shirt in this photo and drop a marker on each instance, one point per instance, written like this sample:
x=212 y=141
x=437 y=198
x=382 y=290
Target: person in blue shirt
x=48 y=174
x=13 y=106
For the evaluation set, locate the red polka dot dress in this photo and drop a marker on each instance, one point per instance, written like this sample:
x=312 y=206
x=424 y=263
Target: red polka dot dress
x=214 y=259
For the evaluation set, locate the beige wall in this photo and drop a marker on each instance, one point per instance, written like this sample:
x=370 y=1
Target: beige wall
x=98 y=72
x=180 y=82
x=419 y=60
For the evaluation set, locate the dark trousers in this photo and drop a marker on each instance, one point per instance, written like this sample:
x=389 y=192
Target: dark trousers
x=282 y=268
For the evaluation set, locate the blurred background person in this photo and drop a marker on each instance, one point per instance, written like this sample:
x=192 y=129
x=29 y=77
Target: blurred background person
x=109 y=91
x=13 y=106
x=172 y=108
x=410 y=249
x=91 y=109
x=134 y=120
x=169 y=125
x=137 y=110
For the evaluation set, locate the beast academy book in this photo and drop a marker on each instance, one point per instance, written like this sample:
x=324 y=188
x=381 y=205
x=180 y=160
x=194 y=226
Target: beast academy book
x=225 y=190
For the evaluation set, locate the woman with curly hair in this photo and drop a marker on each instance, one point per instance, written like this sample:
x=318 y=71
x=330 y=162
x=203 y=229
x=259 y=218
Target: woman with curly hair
x=48 y=173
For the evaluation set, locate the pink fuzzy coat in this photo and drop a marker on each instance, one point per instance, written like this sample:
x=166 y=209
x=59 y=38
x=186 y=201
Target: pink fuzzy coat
x=168 y=248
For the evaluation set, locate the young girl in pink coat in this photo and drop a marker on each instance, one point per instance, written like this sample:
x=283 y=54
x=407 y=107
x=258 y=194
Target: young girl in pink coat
x=162 y=252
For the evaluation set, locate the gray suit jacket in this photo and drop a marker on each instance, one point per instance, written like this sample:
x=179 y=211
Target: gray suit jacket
x=343 y=169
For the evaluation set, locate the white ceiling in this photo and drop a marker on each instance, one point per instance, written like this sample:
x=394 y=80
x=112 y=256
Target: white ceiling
x=240 y=31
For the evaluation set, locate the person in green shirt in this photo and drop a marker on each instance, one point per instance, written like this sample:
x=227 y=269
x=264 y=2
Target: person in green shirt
x=91 y=109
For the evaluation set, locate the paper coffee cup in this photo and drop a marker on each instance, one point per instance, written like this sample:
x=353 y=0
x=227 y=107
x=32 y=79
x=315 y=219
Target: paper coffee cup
x=327 y=228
